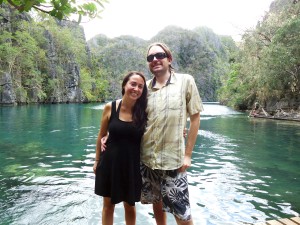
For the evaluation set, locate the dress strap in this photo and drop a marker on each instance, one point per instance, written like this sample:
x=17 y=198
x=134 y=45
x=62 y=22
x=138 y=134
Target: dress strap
x=119 y=107
x=113 y=109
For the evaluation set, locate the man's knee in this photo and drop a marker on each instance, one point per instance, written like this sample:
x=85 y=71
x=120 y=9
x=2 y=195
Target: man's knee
x=159 y=214
x=183 y=222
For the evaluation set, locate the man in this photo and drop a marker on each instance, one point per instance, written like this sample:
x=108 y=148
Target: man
x=165 y=156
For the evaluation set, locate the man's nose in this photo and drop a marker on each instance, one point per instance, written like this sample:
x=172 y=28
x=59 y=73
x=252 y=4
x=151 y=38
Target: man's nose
x=154 y=58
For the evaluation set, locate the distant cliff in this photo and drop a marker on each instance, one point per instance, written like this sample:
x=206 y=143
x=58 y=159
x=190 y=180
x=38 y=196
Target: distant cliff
x=39 y=61
x=48 y=61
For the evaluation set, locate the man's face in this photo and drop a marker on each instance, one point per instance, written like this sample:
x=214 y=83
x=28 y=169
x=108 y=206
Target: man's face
x=157 y=60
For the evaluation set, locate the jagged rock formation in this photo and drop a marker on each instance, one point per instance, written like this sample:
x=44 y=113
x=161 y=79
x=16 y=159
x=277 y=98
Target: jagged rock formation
x=65 y=74
x=7 y=94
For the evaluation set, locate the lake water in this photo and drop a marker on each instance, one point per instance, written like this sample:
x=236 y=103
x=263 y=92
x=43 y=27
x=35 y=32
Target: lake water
x=244 y=170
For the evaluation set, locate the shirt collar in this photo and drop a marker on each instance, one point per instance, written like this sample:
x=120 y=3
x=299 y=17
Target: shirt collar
x=169 y=81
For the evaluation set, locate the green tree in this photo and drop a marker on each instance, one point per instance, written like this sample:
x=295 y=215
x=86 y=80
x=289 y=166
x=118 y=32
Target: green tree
x=115 y=57
x=61 y=9
x=269 y=70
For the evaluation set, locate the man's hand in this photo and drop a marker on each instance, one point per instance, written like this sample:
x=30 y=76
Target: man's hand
x=103 y=143
x=187 y=162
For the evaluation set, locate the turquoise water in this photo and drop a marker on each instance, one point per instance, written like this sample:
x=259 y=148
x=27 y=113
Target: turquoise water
x=245 y=170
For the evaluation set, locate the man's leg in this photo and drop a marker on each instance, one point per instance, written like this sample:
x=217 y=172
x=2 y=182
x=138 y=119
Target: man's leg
x=151 y=193
x=181 y=222
x=175 y=196
x=159 y=214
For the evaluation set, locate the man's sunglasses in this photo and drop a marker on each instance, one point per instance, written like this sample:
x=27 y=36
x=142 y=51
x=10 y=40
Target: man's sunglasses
x=160 y=55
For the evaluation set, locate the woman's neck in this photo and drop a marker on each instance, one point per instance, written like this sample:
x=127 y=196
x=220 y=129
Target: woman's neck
x=127 y=103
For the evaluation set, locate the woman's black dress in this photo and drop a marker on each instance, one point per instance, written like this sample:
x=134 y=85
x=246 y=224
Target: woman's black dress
x=118 y=171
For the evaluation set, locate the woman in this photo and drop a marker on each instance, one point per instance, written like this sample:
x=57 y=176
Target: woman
x=117 y=169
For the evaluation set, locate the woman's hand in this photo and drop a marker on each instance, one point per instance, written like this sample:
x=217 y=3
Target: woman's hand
x=185 y=130
x=95 y=166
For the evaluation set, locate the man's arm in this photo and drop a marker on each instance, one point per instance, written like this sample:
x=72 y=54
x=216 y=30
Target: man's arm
x=192 y=136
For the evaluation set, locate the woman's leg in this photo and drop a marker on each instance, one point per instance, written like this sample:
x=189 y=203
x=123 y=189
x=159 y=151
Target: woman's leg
x=130 y=214
x=107 y=212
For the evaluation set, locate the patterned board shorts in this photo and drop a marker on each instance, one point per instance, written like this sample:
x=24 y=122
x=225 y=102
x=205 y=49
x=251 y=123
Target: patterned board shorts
x=171 y=187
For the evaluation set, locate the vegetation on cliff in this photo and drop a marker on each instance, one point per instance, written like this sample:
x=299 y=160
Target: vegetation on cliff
x=48 y=60
x=267 y=68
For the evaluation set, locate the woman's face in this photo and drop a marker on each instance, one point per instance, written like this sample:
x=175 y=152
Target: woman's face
x=134 y=87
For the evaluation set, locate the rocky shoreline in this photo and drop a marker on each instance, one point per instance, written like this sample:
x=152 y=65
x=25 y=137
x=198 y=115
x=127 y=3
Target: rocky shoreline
x=291 y=115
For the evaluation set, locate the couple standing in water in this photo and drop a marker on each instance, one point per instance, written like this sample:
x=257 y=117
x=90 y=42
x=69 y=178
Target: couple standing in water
x=146 y=155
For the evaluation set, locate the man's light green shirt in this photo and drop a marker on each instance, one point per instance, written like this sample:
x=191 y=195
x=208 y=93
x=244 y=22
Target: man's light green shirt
x=163 y=143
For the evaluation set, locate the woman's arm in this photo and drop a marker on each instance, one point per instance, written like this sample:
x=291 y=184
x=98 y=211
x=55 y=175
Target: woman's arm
x=103 y=131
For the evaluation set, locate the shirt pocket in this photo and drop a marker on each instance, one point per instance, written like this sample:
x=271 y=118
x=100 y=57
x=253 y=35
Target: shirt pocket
x=175 y=101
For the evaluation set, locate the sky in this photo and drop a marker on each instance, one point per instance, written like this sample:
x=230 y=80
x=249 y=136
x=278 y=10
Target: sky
x=145 y=18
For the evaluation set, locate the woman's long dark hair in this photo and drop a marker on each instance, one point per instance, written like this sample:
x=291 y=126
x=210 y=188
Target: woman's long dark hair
x=139 y=114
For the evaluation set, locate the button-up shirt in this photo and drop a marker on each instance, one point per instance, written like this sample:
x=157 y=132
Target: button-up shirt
x=163 y=144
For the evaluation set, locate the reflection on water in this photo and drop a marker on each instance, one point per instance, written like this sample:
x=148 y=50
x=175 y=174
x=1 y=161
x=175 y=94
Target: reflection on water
x=243 y=170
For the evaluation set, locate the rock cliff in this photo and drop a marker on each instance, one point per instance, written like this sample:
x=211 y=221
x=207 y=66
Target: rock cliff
x=65 y=74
